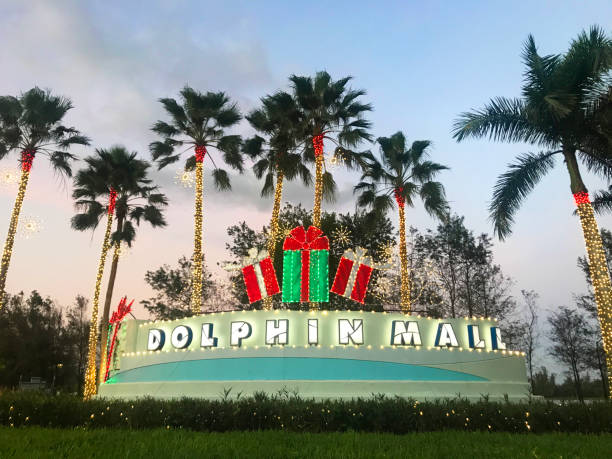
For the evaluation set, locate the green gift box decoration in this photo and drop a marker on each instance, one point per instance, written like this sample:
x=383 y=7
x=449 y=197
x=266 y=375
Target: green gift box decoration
x=305 y=266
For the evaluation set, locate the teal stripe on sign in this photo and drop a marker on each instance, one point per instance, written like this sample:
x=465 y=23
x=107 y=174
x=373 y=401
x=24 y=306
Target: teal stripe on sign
x=287 y=368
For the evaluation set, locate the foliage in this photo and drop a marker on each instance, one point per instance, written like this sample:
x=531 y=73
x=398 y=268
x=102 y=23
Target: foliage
x=553 y=114
x=173 y=291
x=37 y=341
x=468 y=282
x=199 y=119
x=290 y=412
x=401 y=172
x=137 y=199
x=32 y=121
x=365 y=230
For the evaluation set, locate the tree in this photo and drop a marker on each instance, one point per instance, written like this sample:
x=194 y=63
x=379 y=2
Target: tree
x=404 y=174
x=173 y=286
x=31 y=123
x=329 y=111
x=120 y=174
x=76 y=334
x=569 y=335
x=364 y=230
x=551 y=114
x=278 y=119
x=199 y=121
x=529 y=339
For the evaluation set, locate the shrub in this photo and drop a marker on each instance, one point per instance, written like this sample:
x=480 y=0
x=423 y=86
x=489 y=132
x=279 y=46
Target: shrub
x=290 y=412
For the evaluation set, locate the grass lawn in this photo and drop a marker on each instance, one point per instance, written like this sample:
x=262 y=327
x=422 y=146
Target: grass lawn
x=34 y=442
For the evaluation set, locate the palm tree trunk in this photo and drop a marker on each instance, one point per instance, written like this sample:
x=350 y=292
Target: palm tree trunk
x=278 y=196
x=317 y=142
x=107 y=305
x=196 y=282
x=598 y=268
x=27 y=157
x=90 y=374
x=405 y=281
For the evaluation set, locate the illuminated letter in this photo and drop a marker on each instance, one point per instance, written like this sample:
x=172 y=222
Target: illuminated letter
x=446 y=336
x=239 y=331
x=496 y=339
x=405 y=333
x=208 y=340
x=313 y=331
x=474 y=337
x=156 y=340
x=352 y=331
x=277 y=334
x=181 y=337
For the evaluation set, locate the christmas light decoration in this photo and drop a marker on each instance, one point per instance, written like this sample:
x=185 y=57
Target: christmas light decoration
x=385 y=252
x=122 y=310
x=184 y=178
x=405 y=282
x=258 y=274
x=600 y=277
x=382 y=288
x=317 y=143
x=196 y=285
x=30 y=226
x=341 y=236
x=274 y=230
x=27 y=158
x=122 y=250
x=90 y=373
x=305 y=266
x=353 y=274
x=9 y=177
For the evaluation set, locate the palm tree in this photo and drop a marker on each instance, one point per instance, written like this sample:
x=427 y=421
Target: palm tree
x=405 y=175
x=31 y=123
x=135 y=199
x=330 y=111
x=552 y=114
x=199 y=122
x=278 y=120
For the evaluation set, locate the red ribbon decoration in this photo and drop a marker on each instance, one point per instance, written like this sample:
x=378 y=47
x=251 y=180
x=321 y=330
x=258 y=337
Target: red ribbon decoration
x=112 y=199
x=299 y=239
x=27 y=158
x=122 y=310
x=581 y=197
x=200 y=152
x=317 y=143
x=399 y=197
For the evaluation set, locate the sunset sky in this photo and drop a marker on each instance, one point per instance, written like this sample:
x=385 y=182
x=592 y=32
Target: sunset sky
x=422 y=64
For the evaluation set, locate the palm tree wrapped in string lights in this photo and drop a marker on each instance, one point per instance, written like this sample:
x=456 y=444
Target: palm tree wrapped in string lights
x=32 y=125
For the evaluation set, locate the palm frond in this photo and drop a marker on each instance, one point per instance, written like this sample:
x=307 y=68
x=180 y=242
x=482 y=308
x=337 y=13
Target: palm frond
x=514 y=185
x=221 y=179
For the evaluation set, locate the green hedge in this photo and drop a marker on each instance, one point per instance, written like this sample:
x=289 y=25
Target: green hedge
x=290 y=412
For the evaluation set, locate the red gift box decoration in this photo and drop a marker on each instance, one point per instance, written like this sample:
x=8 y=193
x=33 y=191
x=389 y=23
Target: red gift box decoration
x=353 y=275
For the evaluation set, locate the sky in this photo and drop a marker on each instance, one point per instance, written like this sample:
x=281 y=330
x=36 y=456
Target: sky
x=422 y=64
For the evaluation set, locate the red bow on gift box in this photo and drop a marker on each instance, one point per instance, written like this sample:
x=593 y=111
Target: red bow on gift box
x=299 y=239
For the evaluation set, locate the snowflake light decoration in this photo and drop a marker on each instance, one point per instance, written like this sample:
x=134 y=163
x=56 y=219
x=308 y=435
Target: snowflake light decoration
x=382 y=288
x=185 y=178
x=385 y=252
x=9 y=177
x=342 y=236
x=29 y=226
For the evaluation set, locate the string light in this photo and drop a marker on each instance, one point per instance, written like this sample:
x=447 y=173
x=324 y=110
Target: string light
x=274 y=229
x=385 y=252
x=405 y=282
x=90 y=374
x=196 y=285
x=342 y=236
x=600 y=277
x=30 y=226
x=184 y=178
x=317 y=143
x=122 y=250
x=27 y=158
x=122 y=310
